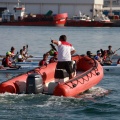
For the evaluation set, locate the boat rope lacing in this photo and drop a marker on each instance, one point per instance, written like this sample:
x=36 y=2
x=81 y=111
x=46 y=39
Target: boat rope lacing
x=85 y=77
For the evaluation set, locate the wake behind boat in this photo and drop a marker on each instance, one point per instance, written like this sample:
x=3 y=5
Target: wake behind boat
x=48 y=80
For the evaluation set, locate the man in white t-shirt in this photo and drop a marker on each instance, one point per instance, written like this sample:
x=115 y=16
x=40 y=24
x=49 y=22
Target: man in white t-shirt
x=65 y=50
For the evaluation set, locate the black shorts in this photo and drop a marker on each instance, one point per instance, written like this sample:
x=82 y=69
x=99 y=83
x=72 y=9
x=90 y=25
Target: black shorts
x=67 y=65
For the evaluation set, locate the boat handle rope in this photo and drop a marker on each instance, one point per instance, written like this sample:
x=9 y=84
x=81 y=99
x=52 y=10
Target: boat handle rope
x=90 y=74
x=96 y=71
x=86 y=74
x=74 y=85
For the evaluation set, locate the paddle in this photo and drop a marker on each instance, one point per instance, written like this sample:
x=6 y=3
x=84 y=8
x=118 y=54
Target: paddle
x=117 y=50
x=15 y=56
x=114 y=53
x=53 y=47
x=26 y=49
x=30 y=56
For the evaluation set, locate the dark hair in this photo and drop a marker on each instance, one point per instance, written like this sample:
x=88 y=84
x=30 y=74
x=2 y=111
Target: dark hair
x=63 y=38
x=88 y=53
x=12 y=48
x=24 y=47
x=44 y=55
x=21 y=50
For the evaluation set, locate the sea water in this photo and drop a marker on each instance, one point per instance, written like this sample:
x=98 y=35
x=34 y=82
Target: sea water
x=100 y=102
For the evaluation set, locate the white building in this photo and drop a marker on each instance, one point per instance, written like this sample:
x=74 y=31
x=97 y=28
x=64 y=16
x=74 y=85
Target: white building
x=111 y=6
x=72 y=7
x=115 y=3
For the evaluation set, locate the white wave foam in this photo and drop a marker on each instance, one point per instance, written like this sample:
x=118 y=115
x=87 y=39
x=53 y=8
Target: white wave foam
x=94 y=92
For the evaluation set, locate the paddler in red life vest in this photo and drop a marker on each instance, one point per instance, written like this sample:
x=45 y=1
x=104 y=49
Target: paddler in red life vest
x=6 y=62
x=44 y=60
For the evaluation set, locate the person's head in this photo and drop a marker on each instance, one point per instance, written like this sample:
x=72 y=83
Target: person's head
x=88 y=53
x=55 y=54
x=45 y=56
x=63 y=38
x=21 y=51
x=105 y=52
x=99 y=53
x=24 y=47
x=8 y=53
x=109 y=47
x=12 y=48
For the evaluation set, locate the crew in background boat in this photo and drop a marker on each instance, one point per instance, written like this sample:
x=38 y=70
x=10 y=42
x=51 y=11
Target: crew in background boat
x=65 y=50
x=13 y=55
x=21 y=57
x=12 y=50
x=90 y=54
x=44 y=60
x=98 y=57
x=106 y=58
x=6 y=62
x=25 y=54
x=110 y=51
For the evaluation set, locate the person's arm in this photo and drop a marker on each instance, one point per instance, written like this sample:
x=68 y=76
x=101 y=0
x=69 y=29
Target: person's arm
x=73 y=51
x=8 y=62
x=1 y=67
x=54 y=42
x=41 y=63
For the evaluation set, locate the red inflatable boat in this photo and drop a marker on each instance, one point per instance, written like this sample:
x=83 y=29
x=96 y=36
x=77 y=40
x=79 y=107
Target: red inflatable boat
x=48 y=80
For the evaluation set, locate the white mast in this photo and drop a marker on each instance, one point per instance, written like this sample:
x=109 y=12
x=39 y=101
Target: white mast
x=18 y=3
x=110 y=13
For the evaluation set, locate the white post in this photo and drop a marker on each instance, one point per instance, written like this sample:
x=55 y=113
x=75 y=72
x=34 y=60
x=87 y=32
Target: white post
x=18 y=3
x=110 y=13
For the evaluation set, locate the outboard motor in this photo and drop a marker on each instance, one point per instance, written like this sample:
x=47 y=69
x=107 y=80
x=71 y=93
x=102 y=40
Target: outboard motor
x=34 y=84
